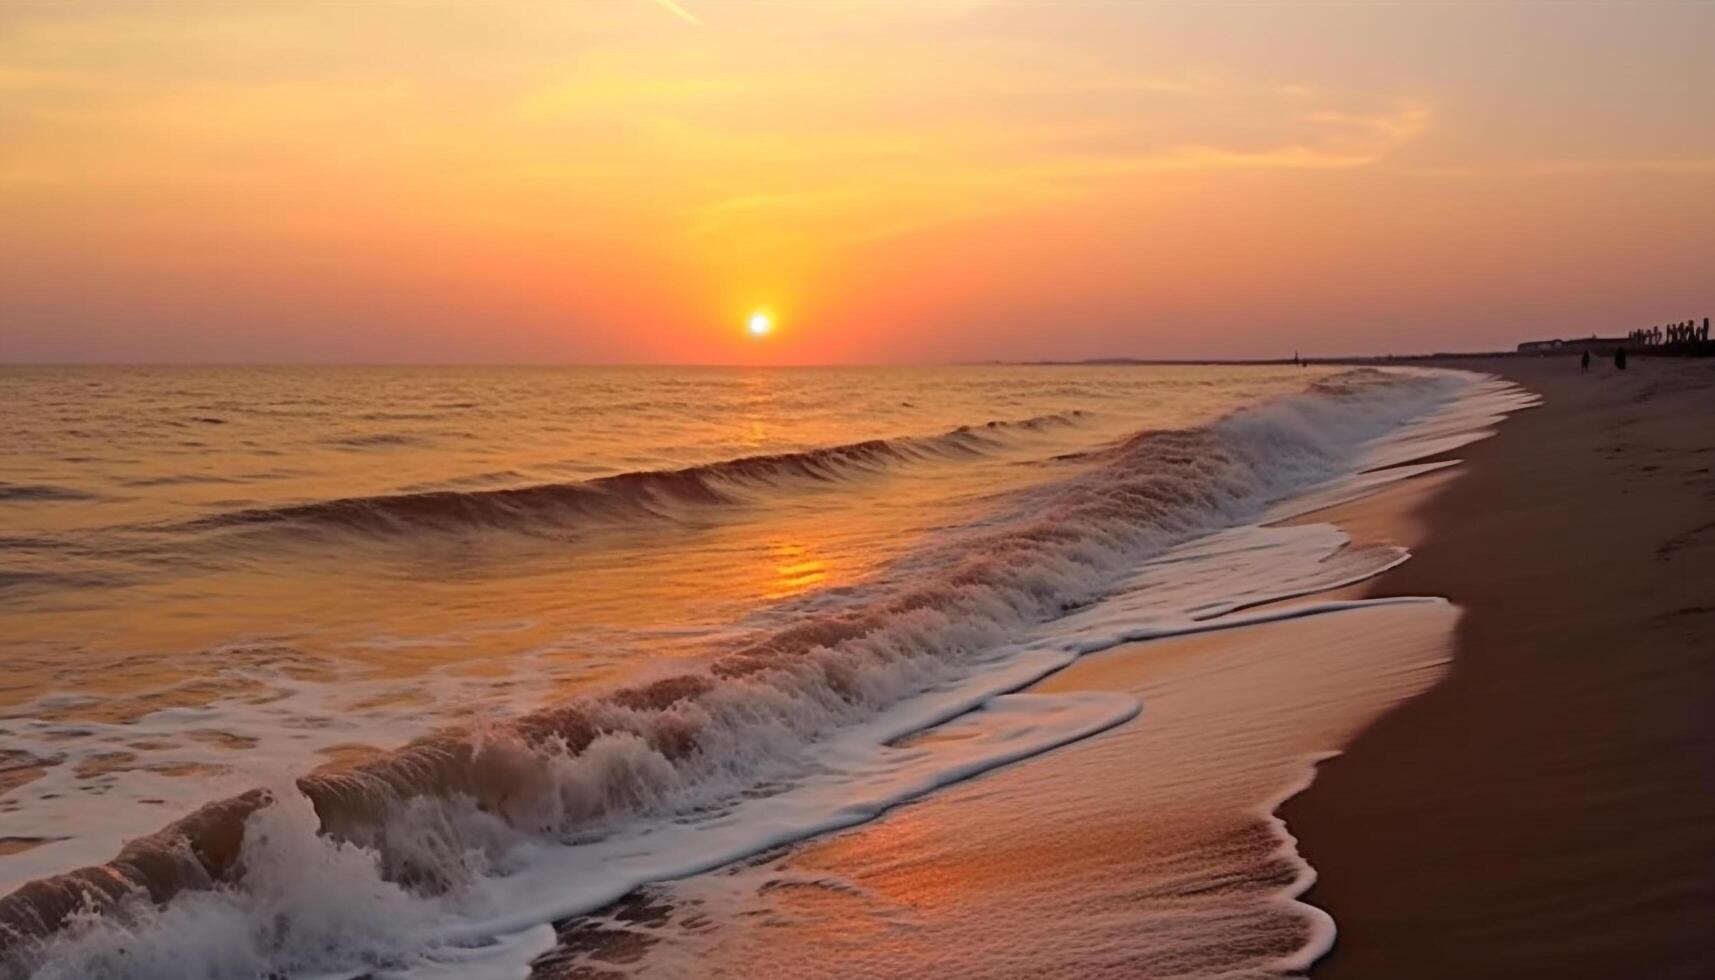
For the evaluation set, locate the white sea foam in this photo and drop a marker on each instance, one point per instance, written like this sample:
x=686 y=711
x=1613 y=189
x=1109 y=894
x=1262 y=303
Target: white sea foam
x=806 y=744
x=1151 y=851
x=233 y=743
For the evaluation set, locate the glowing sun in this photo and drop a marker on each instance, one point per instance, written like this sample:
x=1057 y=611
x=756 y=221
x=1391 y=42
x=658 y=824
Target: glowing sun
x=761 y=324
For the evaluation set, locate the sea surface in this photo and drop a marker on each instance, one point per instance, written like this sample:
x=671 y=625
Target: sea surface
x=327 y=671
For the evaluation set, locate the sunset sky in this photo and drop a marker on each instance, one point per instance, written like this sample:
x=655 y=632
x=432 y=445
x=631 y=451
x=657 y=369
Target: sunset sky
x=888 y=180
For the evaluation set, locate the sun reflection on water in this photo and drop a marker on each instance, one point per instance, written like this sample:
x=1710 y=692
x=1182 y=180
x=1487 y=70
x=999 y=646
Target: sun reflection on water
x=797 y=570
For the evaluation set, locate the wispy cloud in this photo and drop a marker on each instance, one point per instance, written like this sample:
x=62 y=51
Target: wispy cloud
x=680 y=12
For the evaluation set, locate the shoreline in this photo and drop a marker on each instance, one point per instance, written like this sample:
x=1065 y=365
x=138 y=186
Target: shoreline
x=1156 y=848
x=1182 y=486
x=1549 y=807
x=1242 y=720
x=1153 y=849
x=1541 y=809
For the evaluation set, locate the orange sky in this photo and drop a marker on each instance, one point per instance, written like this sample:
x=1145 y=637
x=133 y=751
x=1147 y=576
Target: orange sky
x=895 y=181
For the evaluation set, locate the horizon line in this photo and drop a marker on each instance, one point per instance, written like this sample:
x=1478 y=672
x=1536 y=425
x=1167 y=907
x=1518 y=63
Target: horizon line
x=1114 y=361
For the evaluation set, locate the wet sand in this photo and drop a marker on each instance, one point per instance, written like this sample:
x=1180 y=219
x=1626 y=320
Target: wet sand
x=1546 y=809
x=1549 y=809
x=1150 y=850
x=1147 y=851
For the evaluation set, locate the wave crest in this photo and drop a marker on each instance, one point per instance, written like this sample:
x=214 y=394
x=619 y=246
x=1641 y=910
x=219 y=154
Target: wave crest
x=449 y=806
x=633 y=496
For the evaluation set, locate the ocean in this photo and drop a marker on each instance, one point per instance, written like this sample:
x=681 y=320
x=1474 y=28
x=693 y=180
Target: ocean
x=385 y=671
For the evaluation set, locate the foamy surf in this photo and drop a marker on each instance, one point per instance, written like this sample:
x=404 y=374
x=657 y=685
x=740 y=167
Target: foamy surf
x=1150 y=851
x=468 y=836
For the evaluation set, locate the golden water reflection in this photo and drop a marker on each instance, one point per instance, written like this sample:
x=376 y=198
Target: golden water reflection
x=798 y=570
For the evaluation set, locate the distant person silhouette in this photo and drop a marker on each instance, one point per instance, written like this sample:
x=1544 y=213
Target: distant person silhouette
x=1584 y=363
x=1620 y=358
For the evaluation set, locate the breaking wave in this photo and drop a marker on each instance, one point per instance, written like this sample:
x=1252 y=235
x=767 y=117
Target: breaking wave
x=440 y=813
x=636 y=495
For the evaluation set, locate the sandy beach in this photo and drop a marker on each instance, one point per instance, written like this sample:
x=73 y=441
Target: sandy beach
x=719 y=489
x=1549 y=809
x=1268 y=748
x=1524 y=788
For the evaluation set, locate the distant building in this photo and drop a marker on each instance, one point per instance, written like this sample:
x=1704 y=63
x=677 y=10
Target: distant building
x=1593 y=344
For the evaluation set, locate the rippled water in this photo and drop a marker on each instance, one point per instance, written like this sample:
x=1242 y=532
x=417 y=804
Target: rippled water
x=131 y=590
x=452 y=617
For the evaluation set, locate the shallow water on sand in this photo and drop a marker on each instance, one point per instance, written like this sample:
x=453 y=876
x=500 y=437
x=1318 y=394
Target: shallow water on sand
x=213 y=568
x=639 y=621
x=1149 y=850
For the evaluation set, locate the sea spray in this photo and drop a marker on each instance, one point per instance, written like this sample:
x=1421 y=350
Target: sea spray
x=449 y=810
